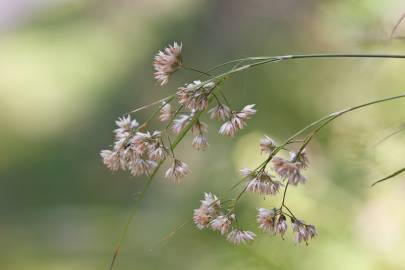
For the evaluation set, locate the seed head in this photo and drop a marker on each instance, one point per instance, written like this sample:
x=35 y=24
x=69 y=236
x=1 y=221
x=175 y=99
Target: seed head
x=167 y=62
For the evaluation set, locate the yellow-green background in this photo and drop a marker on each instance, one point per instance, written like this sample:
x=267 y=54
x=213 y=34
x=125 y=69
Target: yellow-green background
x=69 y=68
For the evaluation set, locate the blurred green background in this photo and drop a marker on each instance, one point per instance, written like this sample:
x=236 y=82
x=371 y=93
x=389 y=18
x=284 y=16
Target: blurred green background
x=69 y=68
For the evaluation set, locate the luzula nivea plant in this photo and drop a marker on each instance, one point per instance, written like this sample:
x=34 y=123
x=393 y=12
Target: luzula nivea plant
x=142 y=152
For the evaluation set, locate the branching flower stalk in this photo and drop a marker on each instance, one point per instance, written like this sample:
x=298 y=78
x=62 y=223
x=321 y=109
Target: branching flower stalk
x=266 y=220
x=140 y=151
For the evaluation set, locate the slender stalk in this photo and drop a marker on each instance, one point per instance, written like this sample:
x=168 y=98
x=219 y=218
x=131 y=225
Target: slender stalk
x=335 y=115
x=397 y=24
x=196 y=70
x=389 y=176
x=322 y=122
x=343 y=55
x=167 y=99
x=268 y=59
x=399 y=130
x=284 y=194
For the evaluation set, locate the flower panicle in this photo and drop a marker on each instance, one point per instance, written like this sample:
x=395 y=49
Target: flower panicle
x=167 y=62
x=140 y=152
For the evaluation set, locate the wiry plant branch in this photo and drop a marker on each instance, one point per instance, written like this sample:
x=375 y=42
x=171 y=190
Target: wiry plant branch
x=397 y=25
x=389 y=176
x=390 y=135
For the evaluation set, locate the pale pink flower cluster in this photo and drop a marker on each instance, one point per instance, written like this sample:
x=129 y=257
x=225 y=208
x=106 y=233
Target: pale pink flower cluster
x=209 y=209
x=167 y=62
x=267 y=145
x=139 y=152
x=210 y=215
x=237 y=120
x=177 y=171
x=133 y=150
x=220 y=112
x=180 y=122
x=303 y=232
x=166 y=112
x=238 y=237
x=200 y=142
x=291 y=169
x=194 y=96
x=272 y=221
x=261 y=182
x=275 y=221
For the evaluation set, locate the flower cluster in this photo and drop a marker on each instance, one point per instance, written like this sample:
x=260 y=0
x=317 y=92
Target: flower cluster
x=177 y=171
x=195 y=95
x=290 y=169
x=236 y=120
x=210 y=215
x=303 y=232
x=141 y=152
x=167 y=62
x=260 y=181
x=132 y=150
x=272 y=221
x=276 y=222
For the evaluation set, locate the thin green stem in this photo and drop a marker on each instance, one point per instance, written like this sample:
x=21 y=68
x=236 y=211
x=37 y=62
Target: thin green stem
x=196 y=70
x=165 y=99
x=288 y=209
x=173 y=117
x=399 y=130
x=397 y=24
x=225 y=99
x=335 y=115
x=322 y=122
x=268 y=59
x=389 y=176
x=284 y=194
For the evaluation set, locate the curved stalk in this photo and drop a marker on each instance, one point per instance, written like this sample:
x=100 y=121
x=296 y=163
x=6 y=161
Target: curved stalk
x=380 y=141
x=322 y=122
x=268 y=59
x=389 y=176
